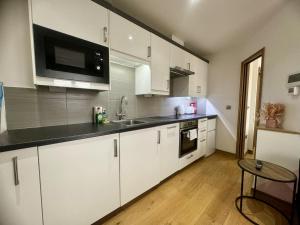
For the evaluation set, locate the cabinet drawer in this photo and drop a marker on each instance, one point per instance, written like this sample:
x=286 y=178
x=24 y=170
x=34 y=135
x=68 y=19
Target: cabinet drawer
x=202 y=124
x=202 y=135
x=187 y=159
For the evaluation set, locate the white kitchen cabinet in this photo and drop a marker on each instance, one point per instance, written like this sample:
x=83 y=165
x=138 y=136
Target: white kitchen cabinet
x=202 y=137
x=168 y=150
x=211 y=136
x=80 y=18
x=155 y=78
x=20 y=203
x=129 y=38
x=178 y=57
x=160 y=64
x=139 y=162
x=80 y=180
x=193 y=85
x=188 y=159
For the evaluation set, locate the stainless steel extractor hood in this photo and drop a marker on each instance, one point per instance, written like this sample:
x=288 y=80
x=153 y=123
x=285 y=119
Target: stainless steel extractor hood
x=177 y=71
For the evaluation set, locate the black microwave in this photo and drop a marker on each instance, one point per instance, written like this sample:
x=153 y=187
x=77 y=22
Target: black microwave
x=58 y=55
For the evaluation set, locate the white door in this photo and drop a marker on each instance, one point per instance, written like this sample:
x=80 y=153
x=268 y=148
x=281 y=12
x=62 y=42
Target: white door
x=169 y=150
x=79 y=180
x=178 y=57
x=20 y=198
x=128 y=38
x=139 y=163
x=160 y=64
x=80 y=18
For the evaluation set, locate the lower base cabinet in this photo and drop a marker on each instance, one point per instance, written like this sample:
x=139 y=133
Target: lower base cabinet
x=79 y=180
x=139 y=162
x=168 y=150
x=20 y=199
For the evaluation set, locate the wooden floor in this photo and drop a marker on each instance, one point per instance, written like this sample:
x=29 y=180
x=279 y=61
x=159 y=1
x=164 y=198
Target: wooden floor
x=204 y=194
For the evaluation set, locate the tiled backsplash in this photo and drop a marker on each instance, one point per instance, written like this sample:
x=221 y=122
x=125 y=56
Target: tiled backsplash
x=40 y=107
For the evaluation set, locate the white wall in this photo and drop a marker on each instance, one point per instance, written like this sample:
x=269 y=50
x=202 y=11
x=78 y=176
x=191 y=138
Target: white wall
x=281 y=37
x=15 y=56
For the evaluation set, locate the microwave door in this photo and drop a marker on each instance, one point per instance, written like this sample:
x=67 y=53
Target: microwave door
x=62 y=56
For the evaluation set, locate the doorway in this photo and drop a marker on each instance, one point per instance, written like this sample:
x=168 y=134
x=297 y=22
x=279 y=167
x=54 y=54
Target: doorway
x=249 y=104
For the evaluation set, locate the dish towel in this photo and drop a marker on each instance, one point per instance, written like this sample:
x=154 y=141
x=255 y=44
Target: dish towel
x=193 y=134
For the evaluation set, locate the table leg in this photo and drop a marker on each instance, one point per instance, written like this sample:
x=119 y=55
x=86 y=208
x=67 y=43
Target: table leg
x=254 y=190
x=242 y=188
x=293 y=202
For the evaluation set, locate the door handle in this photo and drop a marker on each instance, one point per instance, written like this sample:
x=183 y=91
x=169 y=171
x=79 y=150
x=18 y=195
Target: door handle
x=115 y=148
x=105 y=38
x=16 y=172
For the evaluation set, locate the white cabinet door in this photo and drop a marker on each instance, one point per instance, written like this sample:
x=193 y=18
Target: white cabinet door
x=160 y=64
x=198 y=81
x=128 y=38
x=169 y=150
x=80 y=18
x=178 y=57
x=20 y=204
x=79 y=180
x=211 y=142
x=139 y=163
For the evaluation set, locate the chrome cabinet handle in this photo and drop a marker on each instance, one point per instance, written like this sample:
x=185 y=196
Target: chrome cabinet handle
x=189 y=66
x=115 y=148
x=171 y=127
x=203 y=140
x=149 y=51
x=158 y=137
x=168 y=84
x=202 y=130
x=198 y=89
x=105 y=34
x=16 y=172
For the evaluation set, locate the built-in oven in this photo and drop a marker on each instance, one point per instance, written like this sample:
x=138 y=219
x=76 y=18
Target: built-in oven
x=188 y=137
x=58 y=55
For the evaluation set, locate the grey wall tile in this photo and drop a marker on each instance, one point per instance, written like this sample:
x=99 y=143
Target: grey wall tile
x=43 y=107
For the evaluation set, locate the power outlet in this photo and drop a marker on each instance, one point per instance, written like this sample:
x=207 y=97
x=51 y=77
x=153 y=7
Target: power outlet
x=228 y=107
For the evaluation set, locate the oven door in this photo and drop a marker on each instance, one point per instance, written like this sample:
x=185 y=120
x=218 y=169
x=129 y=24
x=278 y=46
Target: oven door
x=62 y=56
x=186 y=145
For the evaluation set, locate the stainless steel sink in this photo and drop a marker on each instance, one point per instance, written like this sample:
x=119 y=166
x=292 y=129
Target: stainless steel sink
x=129 y=122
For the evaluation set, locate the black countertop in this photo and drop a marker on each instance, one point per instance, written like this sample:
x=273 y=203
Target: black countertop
x=25 y=138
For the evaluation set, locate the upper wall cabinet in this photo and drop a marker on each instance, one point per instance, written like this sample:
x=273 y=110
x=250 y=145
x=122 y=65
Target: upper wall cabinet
x=80 y=18
x=155 y=79
x=193 y=85
x=178 y=57
x=160 y=64
x=128 y=38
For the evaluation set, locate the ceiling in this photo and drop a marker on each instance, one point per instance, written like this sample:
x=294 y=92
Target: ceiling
x=206 y=26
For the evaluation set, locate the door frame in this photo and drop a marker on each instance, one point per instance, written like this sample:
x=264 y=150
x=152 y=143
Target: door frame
x=242 y=113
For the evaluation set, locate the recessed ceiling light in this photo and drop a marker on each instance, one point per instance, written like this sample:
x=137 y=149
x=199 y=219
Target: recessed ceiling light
x=130 y=37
